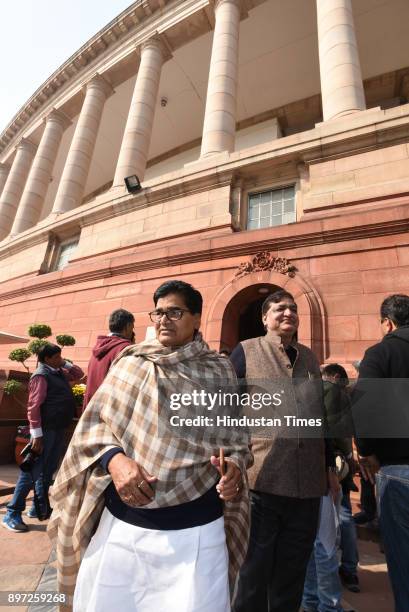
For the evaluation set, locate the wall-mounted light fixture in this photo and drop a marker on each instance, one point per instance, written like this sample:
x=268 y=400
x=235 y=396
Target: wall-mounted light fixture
x=132 y=183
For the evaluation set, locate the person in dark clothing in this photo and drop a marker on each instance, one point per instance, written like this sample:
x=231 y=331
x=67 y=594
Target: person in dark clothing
x=381 y=410
x=289 y=475
x=121 y=334
x=338 y=408
x=50 y=409
x=367 y=498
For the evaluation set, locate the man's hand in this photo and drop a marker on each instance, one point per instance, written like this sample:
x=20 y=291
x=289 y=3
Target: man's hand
x=334 y=486
x=37 y=445
x=369 y=467
x=230 y=484
x=131 y=481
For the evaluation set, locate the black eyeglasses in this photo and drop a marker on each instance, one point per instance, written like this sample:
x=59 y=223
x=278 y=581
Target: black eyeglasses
x=172 y=314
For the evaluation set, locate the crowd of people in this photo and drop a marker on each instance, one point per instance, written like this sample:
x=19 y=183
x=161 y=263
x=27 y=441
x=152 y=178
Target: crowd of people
x=220 y=518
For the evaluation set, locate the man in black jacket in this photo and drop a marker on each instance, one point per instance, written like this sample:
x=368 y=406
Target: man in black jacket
x=381 y=411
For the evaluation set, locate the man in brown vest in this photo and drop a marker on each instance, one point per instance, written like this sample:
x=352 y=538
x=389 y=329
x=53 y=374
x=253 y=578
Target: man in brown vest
x=290 y=472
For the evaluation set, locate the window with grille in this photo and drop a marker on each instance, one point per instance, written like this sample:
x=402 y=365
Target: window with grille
x=65 y=252
x=270 y=208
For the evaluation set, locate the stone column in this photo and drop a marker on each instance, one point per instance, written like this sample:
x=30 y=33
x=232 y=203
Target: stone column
x=4 y=172
x=219 y=127
x=341 y=79
x=35 y=191
x=14 y=185
x=138 y=130
x=74 y=176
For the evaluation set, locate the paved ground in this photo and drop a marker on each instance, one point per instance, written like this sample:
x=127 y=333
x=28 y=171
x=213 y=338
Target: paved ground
x=27 y=564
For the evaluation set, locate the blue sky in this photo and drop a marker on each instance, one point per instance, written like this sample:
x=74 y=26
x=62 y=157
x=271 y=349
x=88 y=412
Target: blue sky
x=37 y=36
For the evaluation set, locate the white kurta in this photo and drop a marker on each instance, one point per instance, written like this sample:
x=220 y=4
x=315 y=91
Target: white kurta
x=133 y=569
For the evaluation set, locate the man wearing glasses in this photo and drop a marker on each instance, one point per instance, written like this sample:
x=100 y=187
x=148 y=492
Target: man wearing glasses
x=288 y=477
x=165 y=538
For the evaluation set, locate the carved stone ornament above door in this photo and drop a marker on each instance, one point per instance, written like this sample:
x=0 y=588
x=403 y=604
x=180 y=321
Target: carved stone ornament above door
x=266 y=261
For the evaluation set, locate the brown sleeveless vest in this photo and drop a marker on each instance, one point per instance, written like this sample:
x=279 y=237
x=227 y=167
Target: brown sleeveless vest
x=285 y=462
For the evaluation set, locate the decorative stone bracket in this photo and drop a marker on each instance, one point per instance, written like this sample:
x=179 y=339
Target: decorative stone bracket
x=266 y=261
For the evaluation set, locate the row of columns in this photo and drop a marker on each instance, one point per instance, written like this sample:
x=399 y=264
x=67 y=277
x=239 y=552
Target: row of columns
x=23 y=186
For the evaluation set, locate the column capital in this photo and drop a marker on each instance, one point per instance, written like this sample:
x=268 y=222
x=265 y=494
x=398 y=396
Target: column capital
x=27 y=145
x=159 y=43
x=58 y=117
x=238 y=3
x=217 y=3
x=101 y=83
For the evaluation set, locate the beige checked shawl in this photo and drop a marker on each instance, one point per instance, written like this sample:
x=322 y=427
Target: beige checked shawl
x=124 y=412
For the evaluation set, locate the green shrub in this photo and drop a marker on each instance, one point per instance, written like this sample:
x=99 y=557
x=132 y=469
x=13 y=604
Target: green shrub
x=20 y=354
x=65 y=340
x=36 y=345
x=39 y=330
x=12 y=386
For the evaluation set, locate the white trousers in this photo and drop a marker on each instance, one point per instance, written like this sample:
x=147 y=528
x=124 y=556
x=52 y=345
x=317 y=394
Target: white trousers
x=132 y=569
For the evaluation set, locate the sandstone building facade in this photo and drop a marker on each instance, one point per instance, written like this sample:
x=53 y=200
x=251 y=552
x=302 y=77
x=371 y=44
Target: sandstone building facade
x=271 y=140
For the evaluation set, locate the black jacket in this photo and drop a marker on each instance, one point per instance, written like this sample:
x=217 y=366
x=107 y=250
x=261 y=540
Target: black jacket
x=58 y=408
x=381 y=407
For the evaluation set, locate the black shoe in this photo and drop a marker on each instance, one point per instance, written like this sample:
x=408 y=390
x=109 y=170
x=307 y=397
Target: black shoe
x=362 y=517
x=350 y=581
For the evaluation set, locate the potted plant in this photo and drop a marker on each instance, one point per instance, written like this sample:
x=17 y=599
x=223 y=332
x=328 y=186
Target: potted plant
x=79 y=393
x=13 y=403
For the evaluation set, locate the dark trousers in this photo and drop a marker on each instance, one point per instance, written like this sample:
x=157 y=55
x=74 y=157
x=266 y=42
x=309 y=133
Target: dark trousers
x=368 y=498
x=42 y=473
x=393 y=492
x=282 y=535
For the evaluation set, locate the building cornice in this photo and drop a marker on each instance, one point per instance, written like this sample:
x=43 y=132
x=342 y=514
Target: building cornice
x=387 y=225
